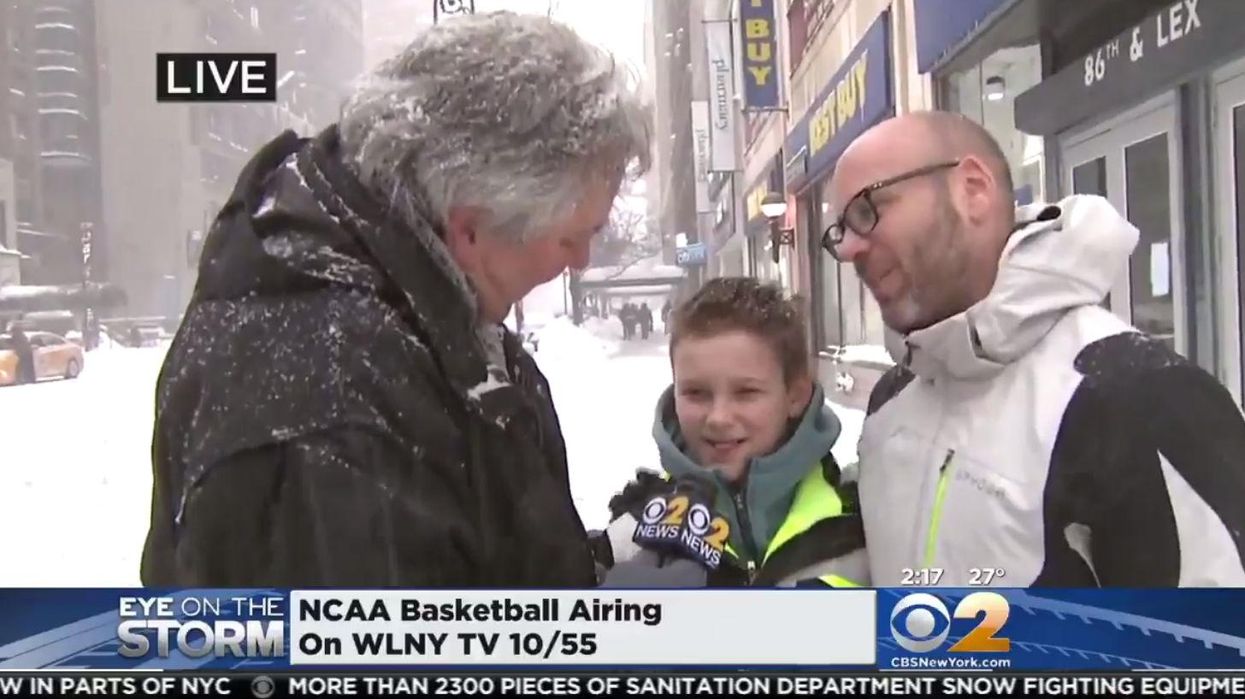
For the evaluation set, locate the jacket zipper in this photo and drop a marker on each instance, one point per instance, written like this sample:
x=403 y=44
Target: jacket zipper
x=935 y=519
x=741 y=509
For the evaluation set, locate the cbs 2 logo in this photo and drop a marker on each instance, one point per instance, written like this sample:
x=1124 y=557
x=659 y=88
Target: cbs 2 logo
x=920 y=623
x=702 y=523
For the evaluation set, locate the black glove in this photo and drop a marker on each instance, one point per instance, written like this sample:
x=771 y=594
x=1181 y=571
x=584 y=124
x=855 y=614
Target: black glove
x=650 y=568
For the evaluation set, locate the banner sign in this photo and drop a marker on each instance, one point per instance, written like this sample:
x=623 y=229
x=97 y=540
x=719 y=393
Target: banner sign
x=1159 y=52
x=701 y=152
x=858 y=96
x=693 y=255
x=721 y=96
x=760 y=62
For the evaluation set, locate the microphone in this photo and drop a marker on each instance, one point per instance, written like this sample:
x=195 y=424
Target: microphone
x=682 y=522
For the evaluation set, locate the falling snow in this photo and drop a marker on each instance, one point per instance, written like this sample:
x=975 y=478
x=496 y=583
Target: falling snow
x=77 y=464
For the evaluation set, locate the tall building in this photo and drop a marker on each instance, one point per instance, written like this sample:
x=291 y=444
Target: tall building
x=671 y=189
x=169 y=167
x=19 y=135
x=65 y=201
x=322 y=52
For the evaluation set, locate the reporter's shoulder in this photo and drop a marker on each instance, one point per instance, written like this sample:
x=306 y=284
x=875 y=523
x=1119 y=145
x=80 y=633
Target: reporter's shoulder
x=631 y=499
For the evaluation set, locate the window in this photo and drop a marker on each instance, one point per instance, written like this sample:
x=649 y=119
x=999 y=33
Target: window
x=797 y=32
x=825 y=276
x=986 y=93
x=1147 y=170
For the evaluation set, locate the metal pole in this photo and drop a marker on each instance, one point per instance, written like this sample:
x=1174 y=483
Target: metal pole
x=86 y=229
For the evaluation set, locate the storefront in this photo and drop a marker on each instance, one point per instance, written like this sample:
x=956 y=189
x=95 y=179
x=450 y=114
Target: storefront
x=1152 y=117
x=858 y=95
x=976 y=79
x=760 y=244
x=726 y=250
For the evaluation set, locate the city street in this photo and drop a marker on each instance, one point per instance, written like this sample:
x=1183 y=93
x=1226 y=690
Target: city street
x=76 y=466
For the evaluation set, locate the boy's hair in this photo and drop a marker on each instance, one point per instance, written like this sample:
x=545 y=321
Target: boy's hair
x=727 y=304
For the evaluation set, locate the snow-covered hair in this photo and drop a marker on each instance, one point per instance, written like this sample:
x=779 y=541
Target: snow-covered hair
x=514 y=114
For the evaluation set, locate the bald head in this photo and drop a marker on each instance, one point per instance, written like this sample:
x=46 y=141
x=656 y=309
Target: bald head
x=956 y=136
x=929 y=198
x=931 y=136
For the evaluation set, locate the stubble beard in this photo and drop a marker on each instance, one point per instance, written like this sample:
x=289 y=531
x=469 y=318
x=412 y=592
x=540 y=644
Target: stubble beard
x=939 y=285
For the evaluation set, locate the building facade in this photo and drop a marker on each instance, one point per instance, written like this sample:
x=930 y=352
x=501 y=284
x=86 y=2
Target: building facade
x=842 y=67
x=60 y=233
x=671 y=185
x=1139 y=101
x=19 y=134
x=167 y=168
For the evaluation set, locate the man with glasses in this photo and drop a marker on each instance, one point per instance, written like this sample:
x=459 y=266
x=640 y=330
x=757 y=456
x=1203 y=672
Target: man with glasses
x=1027 y=436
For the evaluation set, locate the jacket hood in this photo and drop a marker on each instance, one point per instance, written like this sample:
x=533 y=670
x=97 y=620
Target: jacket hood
x=770 y=482
x=1062 y=256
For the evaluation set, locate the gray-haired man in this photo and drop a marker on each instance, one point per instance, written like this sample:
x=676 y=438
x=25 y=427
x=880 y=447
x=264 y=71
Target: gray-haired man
x=342 y=405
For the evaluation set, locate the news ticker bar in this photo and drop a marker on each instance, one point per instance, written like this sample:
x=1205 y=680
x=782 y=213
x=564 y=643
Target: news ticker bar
x=906 y=629
x=621 y=684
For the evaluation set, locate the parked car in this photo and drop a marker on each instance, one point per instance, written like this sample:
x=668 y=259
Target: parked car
x=8 y=361
x=54 y=357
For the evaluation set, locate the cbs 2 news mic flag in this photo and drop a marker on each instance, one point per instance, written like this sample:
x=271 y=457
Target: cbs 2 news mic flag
x=682 y=524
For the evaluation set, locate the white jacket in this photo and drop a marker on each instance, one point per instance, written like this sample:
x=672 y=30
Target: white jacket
x=1038 y=439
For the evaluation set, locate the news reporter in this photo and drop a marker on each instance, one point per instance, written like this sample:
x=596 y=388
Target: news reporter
x=342 y=404
x=744 y=430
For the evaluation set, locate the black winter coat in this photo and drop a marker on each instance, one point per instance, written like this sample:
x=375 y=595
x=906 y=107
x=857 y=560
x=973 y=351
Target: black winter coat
x=326 y=415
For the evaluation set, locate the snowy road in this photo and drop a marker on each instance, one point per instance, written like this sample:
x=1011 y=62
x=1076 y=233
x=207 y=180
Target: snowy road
x=75 y=468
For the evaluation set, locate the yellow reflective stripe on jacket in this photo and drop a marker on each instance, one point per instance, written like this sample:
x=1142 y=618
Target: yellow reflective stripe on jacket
x=838 y=581
x=815 y=500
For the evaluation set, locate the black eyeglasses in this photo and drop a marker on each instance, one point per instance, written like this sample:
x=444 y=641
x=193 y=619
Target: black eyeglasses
x=861 y=214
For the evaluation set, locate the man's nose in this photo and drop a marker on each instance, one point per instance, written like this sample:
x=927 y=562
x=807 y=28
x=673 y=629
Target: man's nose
x=851 y=247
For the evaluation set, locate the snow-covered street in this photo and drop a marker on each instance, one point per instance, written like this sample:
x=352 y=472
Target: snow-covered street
x=75 y=474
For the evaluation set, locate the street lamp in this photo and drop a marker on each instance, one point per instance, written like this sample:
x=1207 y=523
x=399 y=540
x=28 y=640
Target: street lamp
x=774 y=207
x=452 y=7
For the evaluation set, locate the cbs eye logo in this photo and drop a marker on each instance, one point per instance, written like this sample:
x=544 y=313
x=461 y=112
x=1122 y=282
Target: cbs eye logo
x=659 y=510
x=700 y=522
x=920 y=623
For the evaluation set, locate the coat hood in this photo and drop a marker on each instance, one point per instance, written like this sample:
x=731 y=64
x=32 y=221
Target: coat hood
x=771 y=480
x=1062 y=256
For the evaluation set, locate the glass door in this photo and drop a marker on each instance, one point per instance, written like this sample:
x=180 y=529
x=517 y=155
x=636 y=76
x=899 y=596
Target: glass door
x=1229 y=149
x=1133 y=161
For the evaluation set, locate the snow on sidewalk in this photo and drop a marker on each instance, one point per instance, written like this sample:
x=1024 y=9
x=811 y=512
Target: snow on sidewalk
x=75 y=473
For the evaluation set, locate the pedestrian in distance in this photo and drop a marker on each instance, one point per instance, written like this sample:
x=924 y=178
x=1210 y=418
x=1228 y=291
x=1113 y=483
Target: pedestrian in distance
x=646 y=320
x=26 y=370
x=1026 y=429
x=343 y=405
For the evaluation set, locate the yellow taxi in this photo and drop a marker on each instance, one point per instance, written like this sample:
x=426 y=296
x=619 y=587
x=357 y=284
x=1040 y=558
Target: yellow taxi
x=54 y=357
